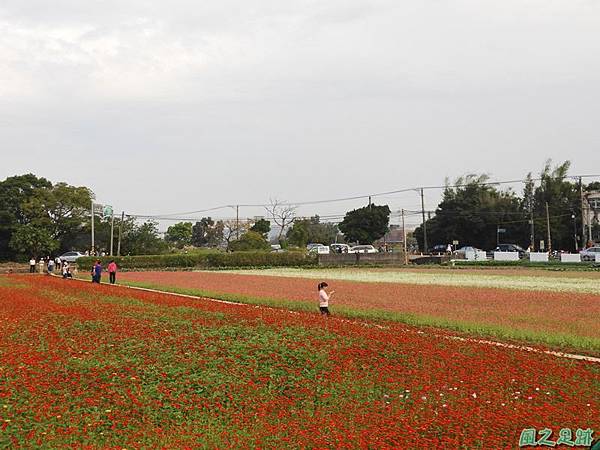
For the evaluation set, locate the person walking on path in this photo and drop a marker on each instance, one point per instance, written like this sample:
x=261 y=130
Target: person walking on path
x=32 y=263
x=97 y=272
x=112 y=271
x=324 y=299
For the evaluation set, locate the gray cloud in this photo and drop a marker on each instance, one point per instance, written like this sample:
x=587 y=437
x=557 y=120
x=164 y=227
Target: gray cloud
x=164 y=107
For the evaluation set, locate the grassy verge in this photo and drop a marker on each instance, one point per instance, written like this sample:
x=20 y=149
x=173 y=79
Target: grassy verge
x=559 y=341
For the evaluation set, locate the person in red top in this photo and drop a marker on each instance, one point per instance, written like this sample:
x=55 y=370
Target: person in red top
x=112 y=271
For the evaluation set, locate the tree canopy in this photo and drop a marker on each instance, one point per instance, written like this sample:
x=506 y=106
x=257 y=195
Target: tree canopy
x=313 y=230
x=475 y=210
x=251 y=240
x=179 y=234
x=366 y=225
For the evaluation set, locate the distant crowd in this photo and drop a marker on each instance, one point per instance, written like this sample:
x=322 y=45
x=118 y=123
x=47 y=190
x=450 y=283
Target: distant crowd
x=57 y=265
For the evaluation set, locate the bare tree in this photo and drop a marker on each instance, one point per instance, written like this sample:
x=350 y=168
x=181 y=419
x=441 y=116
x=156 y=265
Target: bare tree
x=231 y=228
x=283 y=215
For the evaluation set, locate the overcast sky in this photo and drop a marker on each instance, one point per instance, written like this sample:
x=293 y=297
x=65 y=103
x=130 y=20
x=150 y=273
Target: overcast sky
x=164 y=107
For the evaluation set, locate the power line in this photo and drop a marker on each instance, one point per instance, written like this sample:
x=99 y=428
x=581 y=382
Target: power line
x=356 y=197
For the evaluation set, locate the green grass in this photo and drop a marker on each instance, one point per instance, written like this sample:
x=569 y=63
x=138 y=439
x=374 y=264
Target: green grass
x=559 y=341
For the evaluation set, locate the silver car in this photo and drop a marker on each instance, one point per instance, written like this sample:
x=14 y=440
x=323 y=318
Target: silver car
x=589 y=254
x=71 y=257
x=363 y=249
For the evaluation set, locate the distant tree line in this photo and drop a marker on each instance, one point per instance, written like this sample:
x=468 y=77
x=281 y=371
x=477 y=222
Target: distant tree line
x=480 y=214
x=40 y=218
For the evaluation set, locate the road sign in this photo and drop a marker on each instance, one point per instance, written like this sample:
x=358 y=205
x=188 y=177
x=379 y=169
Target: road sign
x=107 y=211
x=501 y=230
x=97 y=207
x=454 y=242
x=542 y=245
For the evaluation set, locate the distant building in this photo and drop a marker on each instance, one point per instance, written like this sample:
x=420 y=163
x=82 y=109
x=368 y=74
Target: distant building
x=392 y=238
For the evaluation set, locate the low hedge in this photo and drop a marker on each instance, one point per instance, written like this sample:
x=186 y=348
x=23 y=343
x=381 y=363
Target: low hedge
x=205 y=260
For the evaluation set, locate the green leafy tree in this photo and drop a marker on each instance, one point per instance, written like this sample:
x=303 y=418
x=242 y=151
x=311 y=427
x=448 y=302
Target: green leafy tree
x=179 y=234
x=200 y=232
x=472 y=212
x=297 y=235
x=564 y=201
x=33 y=240
x=214 y=235
x=321 y=232
x=14 y=193
x=251 y=240
x=62 y=209
x=262 y=226
x=144 y=239
x=311 y=230
x=366 y=225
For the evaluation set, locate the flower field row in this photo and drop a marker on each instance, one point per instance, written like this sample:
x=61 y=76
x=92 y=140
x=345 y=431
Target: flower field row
x=579 y=282
x=85 y=365
x=565 y=320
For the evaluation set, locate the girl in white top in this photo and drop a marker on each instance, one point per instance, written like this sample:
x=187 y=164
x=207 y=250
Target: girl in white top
x=324 y=298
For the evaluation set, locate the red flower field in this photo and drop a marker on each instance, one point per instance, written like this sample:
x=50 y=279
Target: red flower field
x=94 y=366
x=556 y=313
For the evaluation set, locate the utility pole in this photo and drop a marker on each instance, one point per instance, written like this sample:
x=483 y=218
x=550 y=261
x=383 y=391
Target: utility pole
x=120 y=231
x=404 y=239
x=424 y=223
x=532 y=237
x=237 y=221
x=112 y=234
x=583 y=214
x=93 y=246
x=369 y=201
x=548 y=226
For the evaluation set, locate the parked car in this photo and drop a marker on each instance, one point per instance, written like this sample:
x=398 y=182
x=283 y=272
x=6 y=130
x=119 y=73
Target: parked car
x=71 y=257
x=464 y=250
x=589 y=254
x=511 y=248
x=339 y=248
x=439 y=248
x=310 y=246
x=276 y=248
x=363 y=249
x=319 y=249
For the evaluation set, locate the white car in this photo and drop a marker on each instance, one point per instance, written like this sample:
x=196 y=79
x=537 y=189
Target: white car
x=589 y=254
x=71 y=257
x=319 y=250
x=467 y=249
x=363 y=249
